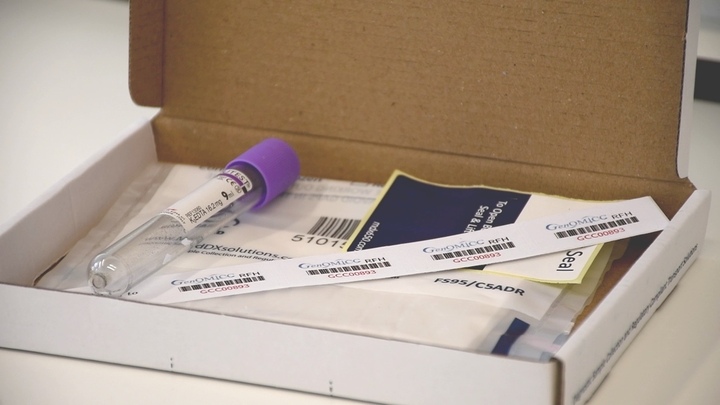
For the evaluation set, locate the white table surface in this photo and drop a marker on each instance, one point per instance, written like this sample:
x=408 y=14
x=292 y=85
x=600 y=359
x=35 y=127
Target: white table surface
x=63 y=96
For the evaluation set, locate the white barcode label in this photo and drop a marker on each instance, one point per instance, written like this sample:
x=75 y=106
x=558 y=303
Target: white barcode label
x=336 y=228
x=603 y=226
x=598 y=224
x=348 y=269
x=490 y=250
x=232 y=283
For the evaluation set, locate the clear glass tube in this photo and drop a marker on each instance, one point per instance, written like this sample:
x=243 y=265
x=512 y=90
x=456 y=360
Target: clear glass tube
x=171 y=233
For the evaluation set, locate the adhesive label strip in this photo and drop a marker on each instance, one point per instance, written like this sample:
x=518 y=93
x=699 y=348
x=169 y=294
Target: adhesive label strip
x=570 y=230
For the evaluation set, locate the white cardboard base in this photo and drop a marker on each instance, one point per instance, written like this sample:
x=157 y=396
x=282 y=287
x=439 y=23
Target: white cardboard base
x=291 y=357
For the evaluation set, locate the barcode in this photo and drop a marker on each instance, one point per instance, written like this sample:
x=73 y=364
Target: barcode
x=473 y=251
x=345 y=269
x=222 y=283
x=597 y=227
x=336 y=228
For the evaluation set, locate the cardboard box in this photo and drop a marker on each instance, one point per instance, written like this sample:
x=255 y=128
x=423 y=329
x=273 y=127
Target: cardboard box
x=587 y=101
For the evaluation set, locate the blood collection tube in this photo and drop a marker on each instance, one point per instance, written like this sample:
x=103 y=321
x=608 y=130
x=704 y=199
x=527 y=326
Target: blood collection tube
x=249 y=181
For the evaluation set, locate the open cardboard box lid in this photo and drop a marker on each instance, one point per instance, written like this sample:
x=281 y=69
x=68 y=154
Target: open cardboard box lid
x=571 y=98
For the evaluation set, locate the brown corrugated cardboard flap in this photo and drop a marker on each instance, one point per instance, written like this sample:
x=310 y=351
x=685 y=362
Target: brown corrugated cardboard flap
x=580 y=98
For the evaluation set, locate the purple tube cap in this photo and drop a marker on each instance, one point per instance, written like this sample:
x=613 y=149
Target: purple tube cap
x=277 y=163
